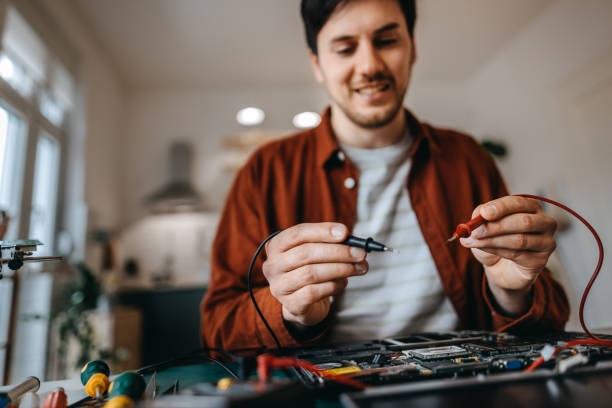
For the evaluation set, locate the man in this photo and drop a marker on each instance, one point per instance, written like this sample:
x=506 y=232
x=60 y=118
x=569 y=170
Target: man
x=371 y=169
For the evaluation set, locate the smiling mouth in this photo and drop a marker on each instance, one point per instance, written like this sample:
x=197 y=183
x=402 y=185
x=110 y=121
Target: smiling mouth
x=370 y=90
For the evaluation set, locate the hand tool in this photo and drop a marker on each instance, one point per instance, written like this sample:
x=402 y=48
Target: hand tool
x=464 y=230
x=14 y=394
x=173 y=390
x=368 y=244
x=151 y=390
x=125 y=390
x=94 y=376
x=56 y=399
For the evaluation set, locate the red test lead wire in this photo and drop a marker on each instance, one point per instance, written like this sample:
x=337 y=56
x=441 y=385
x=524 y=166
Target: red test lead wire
x=268 y=362
x=464 y=230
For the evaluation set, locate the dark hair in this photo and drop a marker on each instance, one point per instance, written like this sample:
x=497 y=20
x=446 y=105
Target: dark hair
x=315 y=14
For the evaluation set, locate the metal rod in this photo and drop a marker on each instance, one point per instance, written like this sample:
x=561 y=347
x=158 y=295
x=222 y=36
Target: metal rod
x=34 y=259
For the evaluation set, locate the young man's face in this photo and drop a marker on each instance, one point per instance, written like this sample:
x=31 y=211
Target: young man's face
x=365 y=57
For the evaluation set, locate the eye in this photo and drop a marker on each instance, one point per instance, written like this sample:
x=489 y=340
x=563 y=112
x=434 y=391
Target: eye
x=344 y=50
x=383 y=42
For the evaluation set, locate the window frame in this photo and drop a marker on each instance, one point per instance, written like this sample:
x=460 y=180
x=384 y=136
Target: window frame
x=36 y=124
x=28 y=108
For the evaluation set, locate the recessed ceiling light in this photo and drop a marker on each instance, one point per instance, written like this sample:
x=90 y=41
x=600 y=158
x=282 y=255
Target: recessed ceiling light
x=306 y=120
x=250 y=116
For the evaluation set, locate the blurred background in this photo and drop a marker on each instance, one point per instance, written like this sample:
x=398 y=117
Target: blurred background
x=122 y=124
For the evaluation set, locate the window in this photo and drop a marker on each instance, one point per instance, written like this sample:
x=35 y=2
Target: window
x=44 y=193
x=25 y=55
x=12 y=156
x=36 y=98
x=15 y=75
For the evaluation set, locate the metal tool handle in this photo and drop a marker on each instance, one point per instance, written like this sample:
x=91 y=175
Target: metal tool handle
x=30 y=384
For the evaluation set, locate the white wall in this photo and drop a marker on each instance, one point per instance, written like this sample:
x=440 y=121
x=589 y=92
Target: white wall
x=204 y=117
x=93 y=174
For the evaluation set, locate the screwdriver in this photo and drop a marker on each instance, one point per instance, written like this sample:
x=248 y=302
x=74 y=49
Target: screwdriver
x=464 y=230
x=14 y=394
x=56 y=399
x=125 y=390
x=94 y=376
x=368 y=244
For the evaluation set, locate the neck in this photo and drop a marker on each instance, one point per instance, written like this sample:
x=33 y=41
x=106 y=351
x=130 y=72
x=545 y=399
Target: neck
x=351 y=134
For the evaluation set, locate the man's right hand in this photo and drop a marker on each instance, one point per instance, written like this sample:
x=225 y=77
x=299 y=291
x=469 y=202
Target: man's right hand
x=306 y=264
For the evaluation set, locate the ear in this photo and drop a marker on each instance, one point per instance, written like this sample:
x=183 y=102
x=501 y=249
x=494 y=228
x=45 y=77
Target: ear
x=413 y=54
x=316 y=67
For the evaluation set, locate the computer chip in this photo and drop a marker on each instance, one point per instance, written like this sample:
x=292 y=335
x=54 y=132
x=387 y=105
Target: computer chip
x=434 y=353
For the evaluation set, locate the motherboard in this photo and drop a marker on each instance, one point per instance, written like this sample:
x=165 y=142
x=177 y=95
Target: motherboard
x=430 y=356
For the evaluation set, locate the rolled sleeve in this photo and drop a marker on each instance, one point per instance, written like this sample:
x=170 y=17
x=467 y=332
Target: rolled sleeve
x=544 y=313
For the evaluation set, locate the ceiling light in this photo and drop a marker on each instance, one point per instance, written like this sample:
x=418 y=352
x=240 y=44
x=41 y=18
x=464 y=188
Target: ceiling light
x=250 y=116
x=306 y=120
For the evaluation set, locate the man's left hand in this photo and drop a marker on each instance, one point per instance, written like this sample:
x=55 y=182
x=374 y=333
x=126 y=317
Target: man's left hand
x=513 y=246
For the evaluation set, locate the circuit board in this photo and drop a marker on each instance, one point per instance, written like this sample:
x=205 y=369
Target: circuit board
x=430 y=356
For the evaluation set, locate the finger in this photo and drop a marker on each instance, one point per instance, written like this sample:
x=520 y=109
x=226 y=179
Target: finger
x=526 y=259
x=307 y=232
x=520 y=242
x=318 y=273
x=298 y=302
x=485 y=258
x=516 y=223
x=310 y=253
x=501 y=207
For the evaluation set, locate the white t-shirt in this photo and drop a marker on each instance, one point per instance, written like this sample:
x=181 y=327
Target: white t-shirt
x=401 y=293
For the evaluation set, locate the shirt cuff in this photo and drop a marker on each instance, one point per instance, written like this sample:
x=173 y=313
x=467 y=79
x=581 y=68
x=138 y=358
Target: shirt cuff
x=502 y=322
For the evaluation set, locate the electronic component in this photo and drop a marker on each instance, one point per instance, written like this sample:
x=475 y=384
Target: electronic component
x=342 y=370
x=463 y=360
x=449 y=356
x=508 y=364
x=435 y=353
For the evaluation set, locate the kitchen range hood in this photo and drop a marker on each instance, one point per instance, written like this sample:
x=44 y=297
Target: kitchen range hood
x=178 y=195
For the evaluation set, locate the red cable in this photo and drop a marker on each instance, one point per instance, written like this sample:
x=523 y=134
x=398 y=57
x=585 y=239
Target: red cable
x=535 y=364
x=267 y=362
x=587 y=289
x=594 y=340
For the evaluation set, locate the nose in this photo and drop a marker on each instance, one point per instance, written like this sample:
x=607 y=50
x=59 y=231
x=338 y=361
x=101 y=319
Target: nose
x=368 y=61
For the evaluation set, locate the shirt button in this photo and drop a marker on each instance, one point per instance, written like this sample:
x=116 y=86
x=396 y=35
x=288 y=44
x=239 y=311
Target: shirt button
x=341 y=156
x=349 y=183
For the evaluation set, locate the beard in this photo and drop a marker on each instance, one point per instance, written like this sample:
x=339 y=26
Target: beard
x=372 y=120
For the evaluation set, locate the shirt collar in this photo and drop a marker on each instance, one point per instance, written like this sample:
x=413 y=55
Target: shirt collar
x=327 y=143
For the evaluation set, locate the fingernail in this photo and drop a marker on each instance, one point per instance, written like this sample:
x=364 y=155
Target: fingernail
x=361 y=268
x=338 y=231
x=490 y=211
x=480 y=232
x=356 y=252
x=467 y=241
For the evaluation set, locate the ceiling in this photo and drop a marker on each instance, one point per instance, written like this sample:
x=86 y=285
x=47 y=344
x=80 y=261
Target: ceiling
x=260 y=43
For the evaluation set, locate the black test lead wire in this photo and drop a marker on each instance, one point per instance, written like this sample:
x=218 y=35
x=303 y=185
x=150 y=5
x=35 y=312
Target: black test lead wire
x=368 y=244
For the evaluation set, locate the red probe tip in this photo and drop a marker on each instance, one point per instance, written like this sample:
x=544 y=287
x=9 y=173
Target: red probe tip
x=451 y=239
